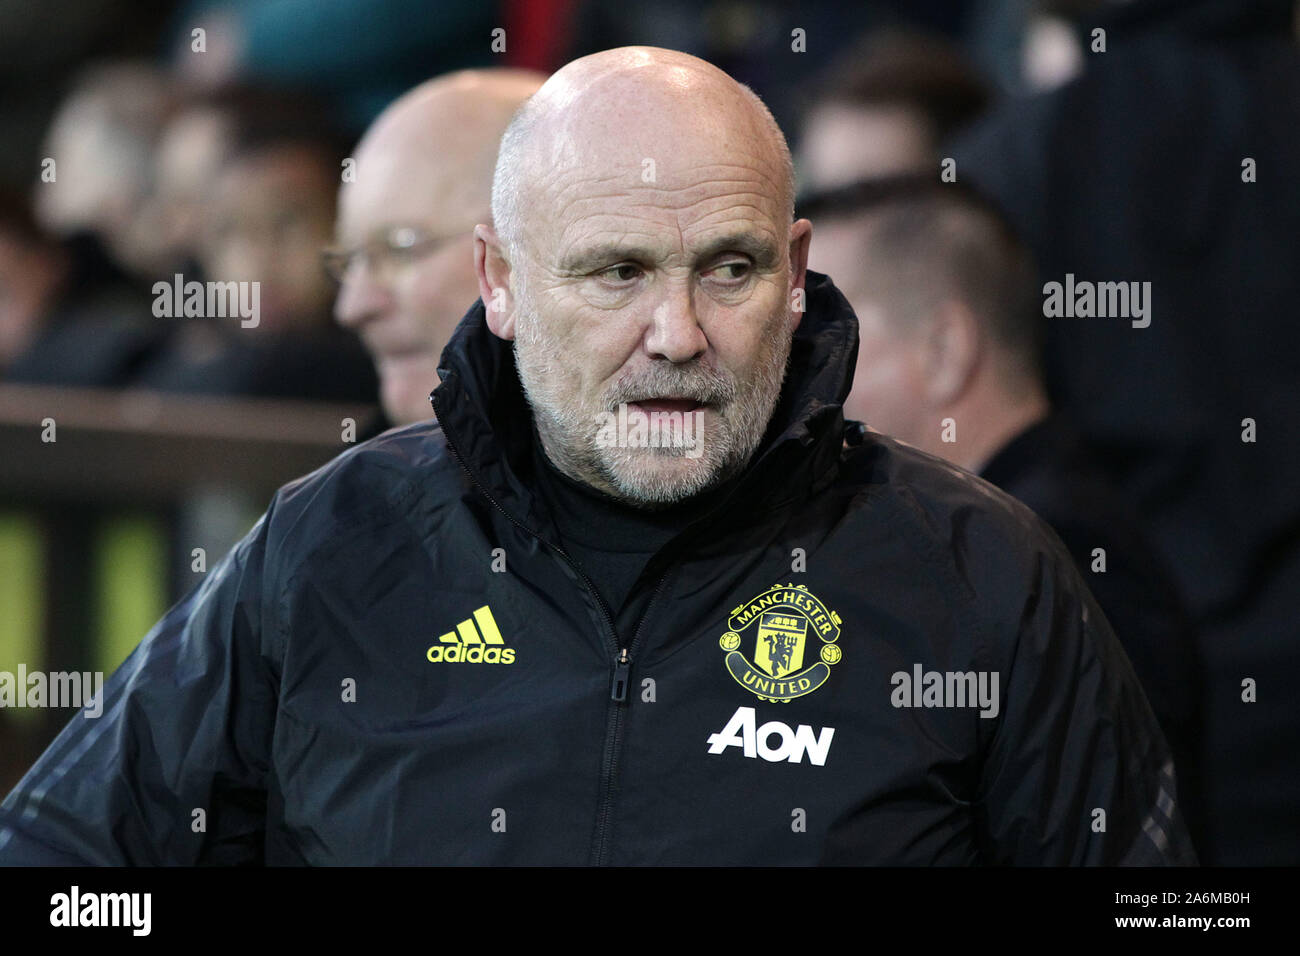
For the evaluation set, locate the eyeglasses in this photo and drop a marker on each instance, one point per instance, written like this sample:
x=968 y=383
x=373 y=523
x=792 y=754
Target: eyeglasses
x=386 y=252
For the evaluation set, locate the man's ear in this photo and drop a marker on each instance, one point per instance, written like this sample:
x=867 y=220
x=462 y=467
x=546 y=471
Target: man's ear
x=493 y=271
x=800 y=241
x=953 y=349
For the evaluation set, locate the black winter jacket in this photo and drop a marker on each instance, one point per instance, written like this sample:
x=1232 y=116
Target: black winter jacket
x=858 y=656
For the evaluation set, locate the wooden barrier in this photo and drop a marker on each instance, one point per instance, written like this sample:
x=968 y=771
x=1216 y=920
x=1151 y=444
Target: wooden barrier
x=149 y=447
x=72 y=458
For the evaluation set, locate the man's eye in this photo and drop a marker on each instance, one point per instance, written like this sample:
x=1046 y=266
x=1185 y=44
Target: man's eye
x=623 y=272
x=731 y=271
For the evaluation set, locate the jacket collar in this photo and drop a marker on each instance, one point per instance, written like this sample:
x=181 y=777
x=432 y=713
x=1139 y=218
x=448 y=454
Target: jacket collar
x=487 y=421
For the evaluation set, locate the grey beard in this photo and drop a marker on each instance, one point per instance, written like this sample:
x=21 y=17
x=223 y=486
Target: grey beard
x=741 y=414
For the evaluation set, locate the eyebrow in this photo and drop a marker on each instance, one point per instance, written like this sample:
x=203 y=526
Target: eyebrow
x=583 y=260
x=587 y=259
x=763 y=251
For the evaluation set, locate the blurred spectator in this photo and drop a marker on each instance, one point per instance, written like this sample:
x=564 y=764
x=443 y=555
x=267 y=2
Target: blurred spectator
x=406 y=255
x=193 y=147
x=1169 y=160
x=32 y=269
x=948 y=361
x=270 y=210
x=884 y=107
x=68 y=315
x=102 y=141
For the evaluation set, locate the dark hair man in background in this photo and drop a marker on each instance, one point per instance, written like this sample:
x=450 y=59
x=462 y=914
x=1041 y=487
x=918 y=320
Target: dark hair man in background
x=950 y=330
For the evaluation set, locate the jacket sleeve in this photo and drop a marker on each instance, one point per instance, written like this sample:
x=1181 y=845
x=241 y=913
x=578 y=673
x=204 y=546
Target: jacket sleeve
x=1077 y=770
x=174 y=770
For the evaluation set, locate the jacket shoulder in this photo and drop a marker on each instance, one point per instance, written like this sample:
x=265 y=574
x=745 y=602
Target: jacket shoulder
x=948 y=507
x=370 y=482
x=1062 y=675
x=989 y=555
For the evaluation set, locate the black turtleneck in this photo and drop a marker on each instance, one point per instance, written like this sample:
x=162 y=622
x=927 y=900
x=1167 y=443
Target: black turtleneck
x=610 y=540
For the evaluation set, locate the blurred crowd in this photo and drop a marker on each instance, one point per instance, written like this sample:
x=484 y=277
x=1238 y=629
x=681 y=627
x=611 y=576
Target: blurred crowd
x=144 y=185
x=167 y=143
x=953 y=156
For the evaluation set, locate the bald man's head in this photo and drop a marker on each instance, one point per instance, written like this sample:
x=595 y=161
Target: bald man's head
x=422 y=181
x=605 y=93
x=645 y=258
x=434 y=148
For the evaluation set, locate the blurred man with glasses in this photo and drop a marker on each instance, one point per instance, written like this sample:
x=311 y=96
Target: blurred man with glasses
x=405 y=255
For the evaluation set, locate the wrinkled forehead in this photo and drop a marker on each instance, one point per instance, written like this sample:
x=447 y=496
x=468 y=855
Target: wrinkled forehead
x=670 y=165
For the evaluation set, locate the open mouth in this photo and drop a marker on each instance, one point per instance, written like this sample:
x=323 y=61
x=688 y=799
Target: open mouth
x=678 y=406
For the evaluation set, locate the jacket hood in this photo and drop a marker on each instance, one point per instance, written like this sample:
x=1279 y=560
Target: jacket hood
x=487 y=420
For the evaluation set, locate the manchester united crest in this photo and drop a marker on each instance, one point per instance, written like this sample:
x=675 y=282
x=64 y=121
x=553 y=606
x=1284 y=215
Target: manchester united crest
x=789 y=628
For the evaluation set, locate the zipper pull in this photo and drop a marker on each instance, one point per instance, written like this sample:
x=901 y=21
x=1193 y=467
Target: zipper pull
x=622 y=667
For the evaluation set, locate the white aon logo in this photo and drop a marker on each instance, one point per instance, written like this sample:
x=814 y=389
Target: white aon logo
x=790 y=745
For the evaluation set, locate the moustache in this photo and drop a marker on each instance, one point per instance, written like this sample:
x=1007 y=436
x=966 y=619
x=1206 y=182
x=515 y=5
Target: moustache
x=703 y=385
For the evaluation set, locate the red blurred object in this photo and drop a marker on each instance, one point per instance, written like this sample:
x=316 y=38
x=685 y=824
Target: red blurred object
x=537 y=31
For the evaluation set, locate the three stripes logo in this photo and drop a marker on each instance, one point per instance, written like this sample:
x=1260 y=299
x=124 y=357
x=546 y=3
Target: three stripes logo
x=473 y=645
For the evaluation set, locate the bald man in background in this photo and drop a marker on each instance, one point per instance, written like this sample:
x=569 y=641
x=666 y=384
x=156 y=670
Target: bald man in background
x=423 y=180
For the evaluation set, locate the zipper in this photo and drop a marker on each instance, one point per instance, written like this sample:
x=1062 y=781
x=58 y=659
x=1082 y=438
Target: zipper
x=614 y=733
x=618 y=694
x=618 y=690
x=622 y=658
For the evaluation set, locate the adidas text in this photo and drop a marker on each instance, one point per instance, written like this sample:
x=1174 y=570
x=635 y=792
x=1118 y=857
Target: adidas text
x=477 y=654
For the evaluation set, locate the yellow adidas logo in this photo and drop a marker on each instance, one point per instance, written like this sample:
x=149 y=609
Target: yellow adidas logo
x=465 y=646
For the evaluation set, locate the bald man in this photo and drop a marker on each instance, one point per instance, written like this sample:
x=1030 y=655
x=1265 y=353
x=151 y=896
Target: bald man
x=628 y=600
x=405 y=254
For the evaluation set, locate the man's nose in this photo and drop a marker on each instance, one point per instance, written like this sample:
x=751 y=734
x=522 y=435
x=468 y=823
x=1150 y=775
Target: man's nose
x=360 y=297
x=674 y=333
